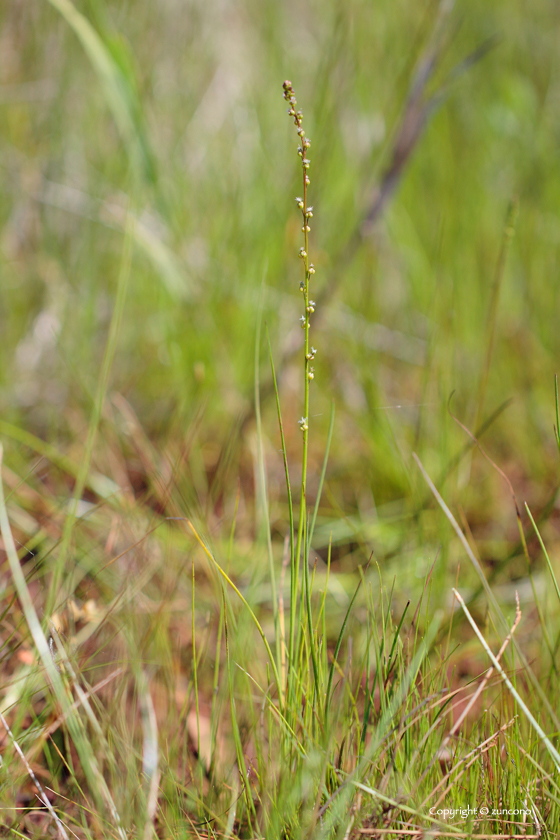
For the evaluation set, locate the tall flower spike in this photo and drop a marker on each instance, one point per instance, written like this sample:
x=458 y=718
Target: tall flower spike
x=296 y=549
x=307 y=215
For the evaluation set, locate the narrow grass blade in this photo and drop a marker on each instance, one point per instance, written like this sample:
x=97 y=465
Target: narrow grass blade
x=407 y=809
x=337 y=646
x=195 y=672
x=323 y=473
x=545 y=552
x=313 y=642
x=262 y=475
x=117 y=88
x=226 y=577
x=555 y=755
x=293 y=564
x=507 y=237
x=557 y=427
x=390 y=660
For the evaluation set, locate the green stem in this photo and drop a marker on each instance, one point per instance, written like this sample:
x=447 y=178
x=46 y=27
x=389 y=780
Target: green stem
x=302 y=507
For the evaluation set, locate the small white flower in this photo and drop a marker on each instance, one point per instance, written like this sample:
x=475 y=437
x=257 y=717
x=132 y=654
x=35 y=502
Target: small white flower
x=303 y=424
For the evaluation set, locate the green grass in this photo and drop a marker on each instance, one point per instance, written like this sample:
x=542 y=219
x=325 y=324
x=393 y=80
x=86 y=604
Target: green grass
x=168 y=668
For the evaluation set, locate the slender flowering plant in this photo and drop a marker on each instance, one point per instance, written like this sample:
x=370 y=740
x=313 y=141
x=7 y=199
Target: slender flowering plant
x=309 y=351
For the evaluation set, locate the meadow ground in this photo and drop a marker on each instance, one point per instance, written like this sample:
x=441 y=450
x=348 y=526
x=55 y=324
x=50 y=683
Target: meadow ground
x=169 y=668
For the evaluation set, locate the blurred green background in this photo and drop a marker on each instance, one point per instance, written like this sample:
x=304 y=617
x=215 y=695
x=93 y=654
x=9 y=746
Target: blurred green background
x=172 y=113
